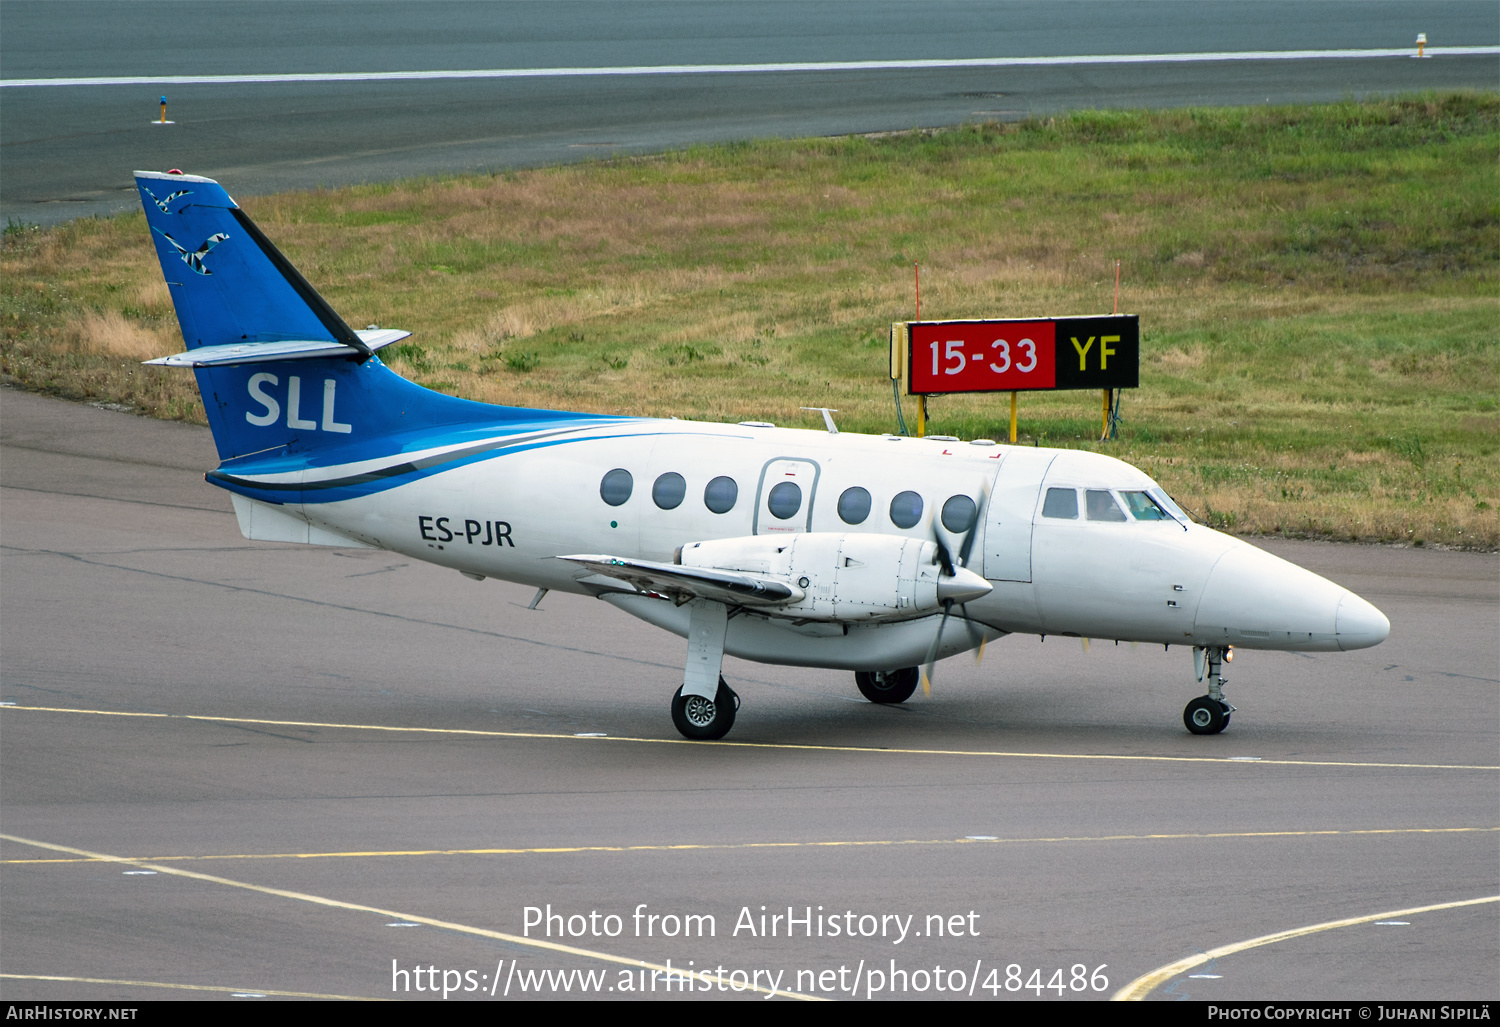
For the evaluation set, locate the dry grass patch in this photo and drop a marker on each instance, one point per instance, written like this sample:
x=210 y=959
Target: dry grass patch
x=111 y=333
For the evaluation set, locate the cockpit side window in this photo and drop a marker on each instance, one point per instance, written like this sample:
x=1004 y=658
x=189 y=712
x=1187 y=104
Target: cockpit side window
x=1102 y=506
x=1169 y=506
x=1143 y=507
x=1061 y=503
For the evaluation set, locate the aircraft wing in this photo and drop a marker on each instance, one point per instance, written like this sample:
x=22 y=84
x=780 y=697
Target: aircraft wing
x=682 y=583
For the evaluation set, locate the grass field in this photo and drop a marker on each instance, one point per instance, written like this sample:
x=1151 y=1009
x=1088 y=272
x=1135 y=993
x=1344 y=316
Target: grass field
x=1317 y=289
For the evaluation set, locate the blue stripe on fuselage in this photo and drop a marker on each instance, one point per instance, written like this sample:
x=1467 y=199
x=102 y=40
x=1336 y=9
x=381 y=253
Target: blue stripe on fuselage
x=288 y=458
x=338 y=488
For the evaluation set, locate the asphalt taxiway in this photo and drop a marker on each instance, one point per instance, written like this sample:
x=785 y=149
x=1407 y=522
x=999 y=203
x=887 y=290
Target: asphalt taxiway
x=233 y=767
x=67 y=150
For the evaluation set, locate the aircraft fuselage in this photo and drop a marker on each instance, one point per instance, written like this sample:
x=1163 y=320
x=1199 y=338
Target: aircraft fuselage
x=1104 y=572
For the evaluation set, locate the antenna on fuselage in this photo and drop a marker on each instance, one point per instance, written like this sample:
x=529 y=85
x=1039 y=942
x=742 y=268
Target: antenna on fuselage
x=827 y=418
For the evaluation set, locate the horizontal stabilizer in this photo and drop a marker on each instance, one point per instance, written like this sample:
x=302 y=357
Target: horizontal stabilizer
x=736 y=589
x=230 y=354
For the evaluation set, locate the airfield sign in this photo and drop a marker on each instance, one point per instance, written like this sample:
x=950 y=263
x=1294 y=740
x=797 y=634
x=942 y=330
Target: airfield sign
x=1023 y=355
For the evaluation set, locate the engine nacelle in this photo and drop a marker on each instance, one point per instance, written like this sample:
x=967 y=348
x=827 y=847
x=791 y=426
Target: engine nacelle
x=844 y=577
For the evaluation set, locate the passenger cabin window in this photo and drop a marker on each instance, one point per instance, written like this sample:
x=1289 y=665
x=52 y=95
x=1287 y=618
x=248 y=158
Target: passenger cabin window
x=1061 y=503
x=854 y=505
x=906 y=509
x=785 y=500
x=616 y=487
x=959 y=514
x=1102 y=506
x=1143 y=507
x=721 y=494
x=668 y=491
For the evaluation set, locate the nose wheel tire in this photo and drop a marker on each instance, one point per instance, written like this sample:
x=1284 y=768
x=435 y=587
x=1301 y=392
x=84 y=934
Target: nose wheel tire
x=1206 y=716
x=705 y=720
x=887 y=686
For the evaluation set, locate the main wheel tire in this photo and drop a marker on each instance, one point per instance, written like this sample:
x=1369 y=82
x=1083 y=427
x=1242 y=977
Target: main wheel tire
x=888 y=686
x=1205 y=716
x=705 y=720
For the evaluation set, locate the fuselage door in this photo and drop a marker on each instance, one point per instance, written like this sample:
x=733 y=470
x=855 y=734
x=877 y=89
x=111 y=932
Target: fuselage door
x=784 y=497
x=1007 y=522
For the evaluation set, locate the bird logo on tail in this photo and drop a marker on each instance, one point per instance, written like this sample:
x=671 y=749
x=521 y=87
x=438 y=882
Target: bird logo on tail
x=194 y=258
x=163 y=203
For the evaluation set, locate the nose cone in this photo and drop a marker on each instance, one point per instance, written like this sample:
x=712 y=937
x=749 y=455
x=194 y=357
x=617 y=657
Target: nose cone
x=965 y=586
x=1259 y=601
x=1359 y=625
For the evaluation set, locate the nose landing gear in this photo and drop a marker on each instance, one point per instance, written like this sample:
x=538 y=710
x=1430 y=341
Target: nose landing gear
x=1209 y=714
x=1206 y=715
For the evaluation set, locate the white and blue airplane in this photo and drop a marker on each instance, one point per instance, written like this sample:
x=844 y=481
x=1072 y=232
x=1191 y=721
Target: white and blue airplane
x=874 y=554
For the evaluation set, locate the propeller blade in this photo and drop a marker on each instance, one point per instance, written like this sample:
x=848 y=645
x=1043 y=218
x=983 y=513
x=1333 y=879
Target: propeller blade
x=973 y=532
x=932 y=650
x=944 y=560
x=962 y=586
x=976 y=633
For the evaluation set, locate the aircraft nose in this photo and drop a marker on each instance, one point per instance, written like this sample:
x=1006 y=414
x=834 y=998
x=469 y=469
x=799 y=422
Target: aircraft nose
x=1358 y=624
x=1260 y=601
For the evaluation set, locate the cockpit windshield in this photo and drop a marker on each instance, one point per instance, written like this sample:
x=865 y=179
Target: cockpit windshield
x=1101 y=505
x=1143 y=507
x=1165 y=501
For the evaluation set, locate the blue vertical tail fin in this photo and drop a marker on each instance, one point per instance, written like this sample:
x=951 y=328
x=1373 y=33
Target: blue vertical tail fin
x=229 y=283
x=278 y=369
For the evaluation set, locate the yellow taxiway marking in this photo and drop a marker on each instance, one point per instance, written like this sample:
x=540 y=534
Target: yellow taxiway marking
x=1143 y=986
x=708 y=847
x=475 y=733
x=447 y=925
x=248 y=992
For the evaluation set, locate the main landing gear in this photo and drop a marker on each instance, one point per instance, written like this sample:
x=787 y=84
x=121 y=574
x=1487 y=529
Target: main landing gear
x=705 y=720
x=887 y=686
x=703 y=708
x=1209 y=714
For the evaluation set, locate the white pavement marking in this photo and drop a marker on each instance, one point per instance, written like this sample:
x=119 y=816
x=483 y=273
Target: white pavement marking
x=1143 y=986
x=751 y=69
x=794 y=746
x=973 y=839
x=448 y=925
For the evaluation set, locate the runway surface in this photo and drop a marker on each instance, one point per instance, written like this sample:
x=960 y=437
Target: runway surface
x=322 y=766
x=68 y=151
